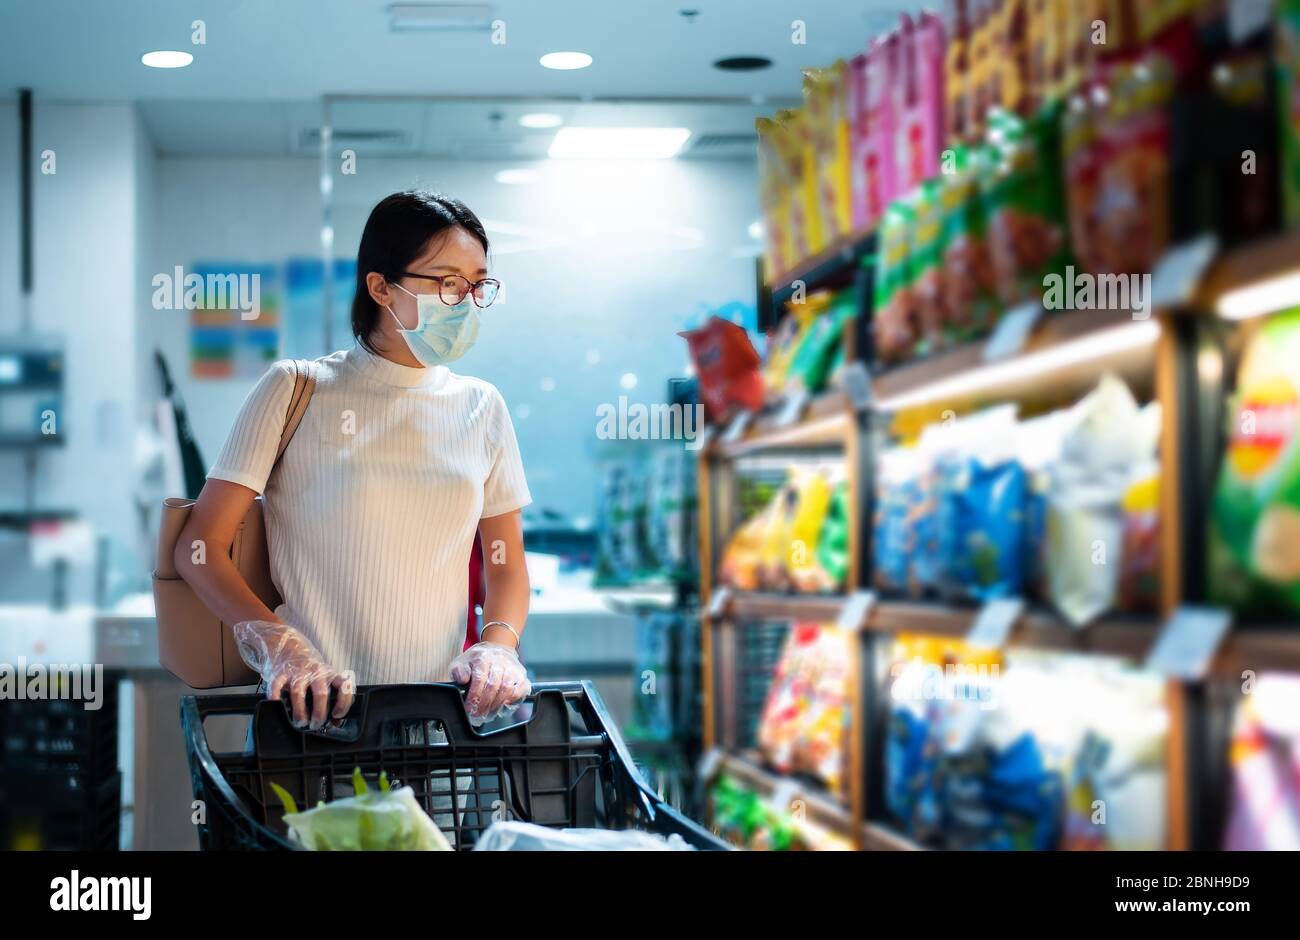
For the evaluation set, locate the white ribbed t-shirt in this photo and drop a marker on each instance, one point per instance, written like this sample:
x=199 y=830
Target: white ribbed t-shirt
x=372 y=510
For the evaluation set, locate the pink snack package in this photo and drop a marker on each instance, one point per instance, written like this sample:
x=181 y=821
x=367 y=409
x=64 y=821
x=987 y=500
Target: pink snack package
x=884 y=62
x=866 y=209
x=921 y=100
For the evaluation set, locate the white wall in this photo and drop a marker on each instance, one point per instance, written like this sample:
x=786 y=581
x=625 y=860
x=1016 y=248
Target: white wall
x=612 y=257
x=85 y=291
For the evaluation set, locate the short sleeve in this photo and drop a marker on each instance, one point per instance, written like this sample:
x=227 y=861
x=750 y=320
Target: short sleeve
x=505 y=488
x=249 y=453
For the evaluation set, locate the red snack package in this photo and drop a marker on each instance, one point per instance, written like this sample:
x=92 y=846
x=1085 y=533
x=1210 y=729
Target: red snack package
x=726 y=365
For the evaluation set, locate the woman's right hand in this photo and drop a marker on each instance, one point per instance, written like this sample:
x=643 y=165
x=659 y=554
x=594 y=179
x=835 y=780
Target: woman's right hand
x=286 y=659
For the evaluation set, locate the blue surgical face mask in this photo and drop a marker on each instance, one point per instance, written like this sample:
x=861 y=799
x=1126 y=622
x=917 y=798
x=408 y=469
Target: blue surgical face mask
x=444 y=333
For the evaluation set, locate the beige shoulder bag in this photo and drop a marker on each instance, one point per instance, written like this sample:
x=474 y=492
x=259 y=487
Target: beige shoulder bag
x=193 y=643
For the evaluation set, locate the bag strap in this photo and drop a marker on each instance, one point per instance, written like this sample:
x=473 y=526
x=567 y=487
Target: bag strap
x=304 y=383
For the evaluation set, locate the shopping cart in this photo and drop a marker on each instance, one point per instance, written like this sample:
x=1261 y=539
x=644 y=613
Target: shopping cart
x=563 y=766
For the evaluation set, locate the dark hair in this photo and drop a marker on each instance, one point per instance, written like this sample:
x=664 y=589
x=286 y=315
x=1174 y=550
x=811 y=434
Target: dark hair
x=397 y=232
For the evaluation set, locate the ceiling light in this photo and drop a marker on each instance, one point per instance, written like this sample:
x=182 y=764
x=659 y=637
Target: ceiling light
x=1270 y=296
x=412 y=17
x=646 y=143
x=518 y=177
x=1054 y=358
x=541 y=120
x=166 y=59
x=565 y=60
x=628 y=380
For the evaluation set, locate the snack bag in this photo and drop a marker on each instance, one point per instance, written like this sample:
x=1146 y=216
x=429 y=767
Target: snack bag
x=1287 y=57
x=774 y=187
x=895 y=316
x=1025 y=203
x=833 y=542
x=1108 y=435
x=969 y=289
x=927 y=267
x=825 y=104
x=1133 y=188
x=890 y=543
x=1082 y=156
x=790 y=142
x=1255 y=514
x=865 y=179
x=811 y=363
x=1038 y=450
x=1139 y=577
x=883 y=66
x=920 y=101
x=726 y=365
x=813 y=501
x=957 y=72
x=1011 y=58
x=806 y=714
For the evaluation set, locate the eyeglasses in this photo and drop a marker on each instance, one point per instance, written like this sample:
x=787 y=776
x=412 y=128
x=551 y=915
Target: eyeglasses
x=452 y=288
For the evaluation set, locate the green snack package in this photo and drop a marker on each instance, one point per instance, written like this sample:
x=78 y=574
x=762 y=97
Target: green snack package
x=927 y=267
x=383 y=820
x=969 y=291
x=833 y=543
x=1025 y=202
x=1255 y=514
x=1287 y=57
x=811 y=366
x=894 y=318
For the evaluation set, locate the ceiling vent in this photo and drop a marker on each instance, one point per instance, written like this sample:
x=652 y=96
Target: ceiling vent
x=369 y=142
x=439 y=17
x=723 y=146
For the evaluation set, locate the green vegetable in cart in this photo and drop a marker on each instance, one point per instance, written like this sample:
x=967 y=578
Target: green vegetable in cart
x=383 y=820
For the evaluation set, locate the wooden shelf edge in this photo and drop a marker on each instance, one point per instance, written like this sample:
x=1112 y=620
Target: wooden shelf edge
x=880 y=838
x=828 y=421
x=822 y=607
x=1053 y=330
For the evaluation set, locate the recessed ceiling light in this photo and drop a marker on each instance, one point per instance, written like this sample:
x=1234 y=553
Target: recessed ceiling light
x=565 y=60
x=644 y=143
x=165 y=59
x=517 y=177
x=404 y=17
x=628 y=380
x=743 y=63
x=540 y=120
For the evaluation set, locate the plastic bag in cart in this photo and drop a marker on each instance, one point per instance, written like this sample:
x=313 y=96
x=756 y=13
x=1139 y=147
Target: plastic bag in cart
x=515 y=836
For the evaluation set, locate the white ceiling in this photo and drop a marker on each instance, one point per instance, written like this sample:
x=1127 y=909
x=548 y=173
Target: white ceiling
x=285 y=50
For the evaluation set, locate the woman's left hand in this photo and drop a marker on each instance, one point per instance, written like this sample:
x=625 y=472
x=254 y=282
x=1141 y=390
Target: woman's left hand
x=496 y=679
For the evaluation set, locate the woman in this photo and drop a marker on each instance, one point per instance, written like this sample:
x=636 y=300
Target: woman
x=372 y=510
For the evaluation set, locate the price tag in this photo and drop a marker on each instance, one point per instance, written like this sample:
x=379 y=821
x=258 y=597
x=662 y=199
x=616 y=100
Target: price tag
x=1188 y=642
x=784 y=793
x=994 y=623
x=709 y=764
x=1012 y=332
x=718 y=602
x=856 y=610
x=1247 y=17
x=856 y=381
x=736 y=430
x=1179 y=272
x=793 y=408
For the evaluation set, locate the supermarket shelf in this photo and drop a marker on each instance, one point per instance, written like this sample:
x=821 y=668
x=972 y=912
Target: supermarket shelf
x=1124 y=637
x=826 y=423
x=1013 y=376
x=758 y=606
x=1248 y=264
x=1259 y=649
x=829 y=266
x=878 y=838
x=821 y=808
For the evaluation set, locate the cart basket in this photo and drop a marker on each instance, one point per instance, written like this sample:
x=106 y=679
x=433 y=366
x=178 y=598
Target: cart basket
x=563 y=766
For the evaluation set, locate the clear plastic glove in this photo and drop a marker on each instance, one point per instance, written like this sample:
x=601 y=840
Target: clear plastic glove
x=496 y=679
x=284 y=658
